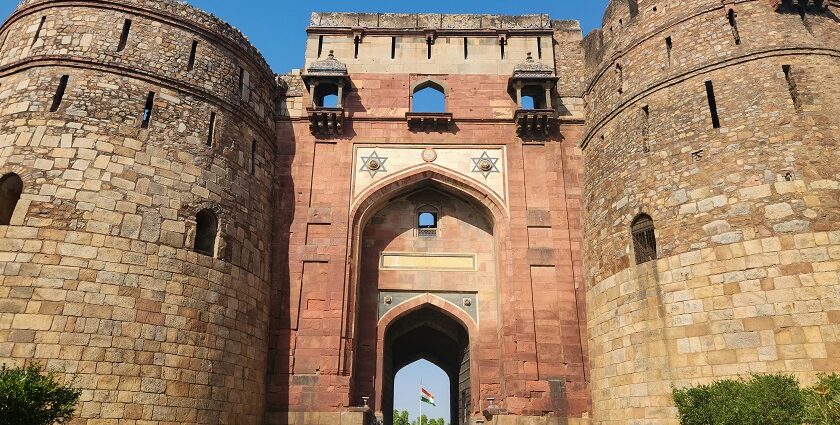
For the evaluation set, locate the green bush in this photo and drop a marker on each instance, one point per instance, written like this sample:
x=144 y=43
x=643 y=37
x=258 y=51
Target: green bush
x=762 y=400
x=29 y=397
x=822 y=405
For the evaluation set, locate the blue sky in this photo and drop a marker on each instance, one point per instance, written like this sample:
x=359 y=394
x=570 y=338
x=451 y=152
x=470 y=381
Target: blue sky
x=407 y=390
x=277 y=27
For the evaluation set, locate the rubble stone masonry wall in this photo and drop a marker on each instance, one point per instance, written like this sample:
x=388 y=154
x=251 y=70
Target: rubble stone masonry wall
x=98 y=276
x=746 y=215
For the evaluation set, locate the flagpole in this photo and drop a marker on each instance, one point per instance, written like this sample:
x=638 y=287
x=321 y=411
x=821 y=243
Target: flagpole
x=420 y=417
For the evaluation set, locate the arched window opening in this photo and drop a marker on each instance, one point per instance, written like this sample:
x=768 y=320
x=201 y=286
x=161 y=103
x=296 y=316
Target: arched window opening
x=429 y=97
x=528 y=102
x=206 y=230
x=644 y=239
x=11 y=186
x=326 y=96
x=427 y=222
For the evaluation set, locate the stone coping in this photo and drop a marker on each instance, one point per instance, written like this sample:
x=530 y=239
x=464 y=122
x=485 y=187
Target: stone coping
x=430 y=21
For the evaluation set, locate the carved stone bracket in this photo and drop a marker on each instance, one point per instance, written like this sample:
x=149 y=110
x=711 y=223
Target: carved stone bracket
x=429 y=121
x=326 y=121
x=534 y=123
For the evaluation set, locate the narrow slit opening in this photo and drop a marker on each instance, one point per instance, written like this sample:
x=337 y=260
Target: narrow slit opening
x=792 y=89
x=124 y=36
x=193 y=51
x=38 y=31
x=710 y=95
x=356 y=41
x=669 y=47
x=645 y=122
x=3 y=41
x=59 y=93
x=211 y=132
x=147 y=110
x=243 y=84
x=253 y=157
x=429 y=48
x=502 y=49
x=393 y=47
x=539 y=47
x=466 y=48
x=320 y=45
x=733 y=23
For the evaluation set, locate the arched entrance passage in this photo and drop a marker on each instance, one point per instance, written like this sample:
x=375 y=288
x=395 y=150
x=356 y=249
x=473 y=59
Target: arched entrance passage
x=428 y=333
x=387 y=220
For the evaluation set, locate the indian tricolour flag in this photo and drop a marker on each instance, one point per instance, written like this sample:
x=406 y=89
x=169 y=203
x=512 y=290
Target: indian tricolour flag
x=426 y=397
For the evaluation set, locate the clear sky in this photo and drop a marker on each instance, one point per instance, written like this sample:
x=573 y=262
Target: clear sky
x=277 y=27
x=407 y=390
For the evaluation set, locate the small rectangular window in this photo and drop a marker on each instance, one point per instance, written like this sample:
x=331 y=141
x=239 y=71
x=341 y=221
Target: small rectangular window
x=539 y=47
x=147 y=110
x=393 y=47
x=253 y=157
x=669 y=48
x=792 y=89
x=356 y=42
x=124 y=36
x=244 y=82
x=466 y=48
x=59 y=93
x=211 y=131
x=710 y=95
x=38 y=31
x=193 y=51
x=320 y=45
x=502 y=49
x=429 y=47
x=645 y=122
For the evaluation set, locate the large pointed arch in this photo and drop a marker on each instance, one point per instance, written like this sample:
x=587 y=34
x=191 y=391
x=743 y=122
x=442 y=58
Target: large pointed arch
x=373 y=198
x=435 y=303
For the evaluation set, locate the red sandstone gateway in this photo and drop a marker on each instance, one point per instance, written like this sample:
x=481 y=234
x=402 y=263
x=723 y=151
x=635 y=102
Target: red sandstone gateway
x=577 y=226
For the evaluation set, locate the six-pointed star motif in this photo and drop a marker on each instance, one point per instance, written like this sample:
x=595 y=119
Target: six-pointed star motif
x=485 y=165
x=373 y=164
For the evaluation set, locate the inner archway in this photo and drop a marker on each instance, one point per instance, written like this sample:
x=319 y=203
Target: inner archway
x=409 y=384
x=429 y=334
x=427 y=254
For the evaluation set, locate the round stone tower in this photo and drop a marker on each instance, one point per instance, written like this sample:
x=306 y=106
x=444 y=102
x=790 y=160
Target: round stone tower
x=136 y=152
x=712 y=195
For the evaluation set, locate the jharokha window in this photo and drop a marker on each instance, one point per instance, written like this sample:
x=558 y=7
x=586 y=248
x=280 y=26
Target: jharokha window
x=427 y=222
x=644 y=239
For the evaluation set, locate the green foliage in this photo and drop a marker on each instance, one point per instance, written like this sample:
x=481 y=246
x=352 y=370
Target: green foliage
x=401 y=418
x=29 y=397
x=822 y=401
x=762 y=400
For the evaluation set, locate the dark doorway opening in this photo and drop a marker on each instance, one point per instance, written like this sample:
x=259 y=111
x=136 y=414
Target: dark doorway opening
x=429 y=334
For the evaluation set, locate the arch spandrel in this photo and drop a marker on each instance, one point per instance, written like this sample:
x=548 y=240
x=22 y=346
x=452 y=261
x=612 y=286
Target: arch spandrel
x=483 y=166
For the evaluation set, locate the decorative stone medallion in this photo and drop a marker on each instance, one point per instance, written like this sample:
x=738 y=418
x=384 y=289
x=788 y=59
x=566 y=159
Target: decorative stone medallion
x=374 y=164
x=429 y=155
x=485 y=165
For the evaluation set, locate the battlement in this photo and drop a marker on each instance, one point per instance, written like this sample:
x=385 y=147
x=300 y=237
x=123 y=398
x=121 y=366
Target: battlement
x=172 y=9
x=403 y=21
